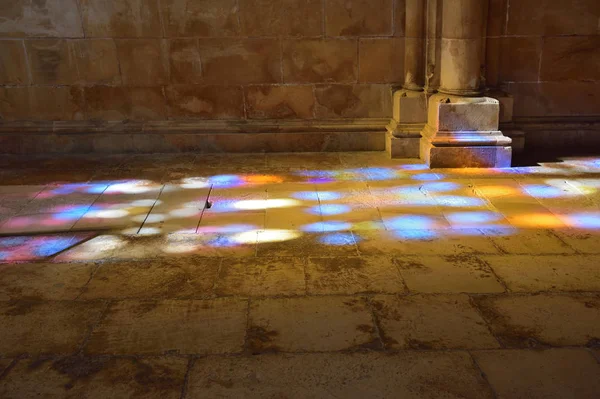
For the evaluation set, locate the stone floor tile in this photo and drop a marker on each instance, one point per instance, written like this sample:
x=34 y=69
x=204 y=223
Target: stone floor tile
x=35 y=328
x=424 y=242
x=351 y=275
x=522 y=273
x=553 y=373
x=527 y=241
x=557 y=320
x=300 y=160
x=97 y=248
x=231 y=222
x=586 y=241
x=318 y=324
x=448 y=274
x=171 y=326
x=292 y=243
x=82 y=377
x=410 y=375
x=40 y=223
x=262 y=277
x=297 y=218
x=431 y=322
x=37 y=281
x=189 y=277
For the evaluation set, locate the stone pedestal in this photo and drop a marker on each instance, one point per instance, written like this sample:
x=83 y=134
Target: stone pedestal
x=463 y=132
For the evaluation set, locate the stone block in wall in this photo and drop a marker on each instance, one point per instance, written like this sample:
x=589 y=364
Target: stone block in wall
x=143 y=61
x=520 y=58
x=280 y=102
x=240 y=61
x=121 y=18
x=184 y=61
x=115 y=103
x=320 y=61
x=52 y=61
x=399 y=18
x=353 y=101
x=281 y=17
x=553 y=17
x=496 y=21
x=205 y=102
x=26 y=18
x=358 y=17
x=555 y=98
x=381 y=60
x=46 y=103
x=202 y=18
x=13 y=64
x=97 y=61
x=571 y=58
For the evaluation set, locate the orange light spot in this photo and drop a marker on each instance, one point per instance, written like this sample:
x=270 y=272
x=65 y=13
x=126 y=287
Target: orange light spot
x=497 y=191
x=262 y=179
x=540 y=220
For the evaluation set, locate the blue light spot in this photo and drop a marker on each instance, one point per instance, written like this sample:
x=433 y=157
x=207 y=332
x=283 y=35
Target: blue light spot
x=72 y=212
x=458 y=201
x=414 y=234
x=51 y=246
x=9 y=242
x=334 y=209
x=413 y=222
x=425 y=176
x=374 y=173
x=306 y=195
x=473 y=217
x=585 y=221
x=542 y=191
x=414 y=167
x=337 y=239
x=327 y=226
x=226 y=181
x=329 y=195
x=441 y=186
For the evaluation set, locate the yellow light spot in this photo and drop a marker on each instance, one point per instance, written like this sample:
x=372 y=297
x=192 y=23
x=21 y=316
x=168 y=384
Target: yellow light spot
x=539 y=220
x=270 y=235
x=266 y=204
x=497 y=191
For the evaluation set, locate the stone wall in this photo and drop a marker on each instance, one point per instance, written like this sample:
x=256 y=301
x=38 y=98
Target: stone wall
x=546 y=53
x=199 y=59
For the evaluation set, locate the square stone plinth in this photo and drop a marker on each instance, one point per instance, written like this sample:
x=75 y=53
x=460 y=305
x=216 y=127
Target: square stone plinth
x=465 y=157
x=410 y=106
x=452 y=113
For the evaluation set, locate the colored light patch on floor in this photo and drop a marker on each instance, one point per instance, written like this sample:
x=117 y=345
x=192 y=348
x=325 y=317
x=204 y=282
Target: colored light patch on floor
x=28 y=248
x=583 y=220
x=327 y=226
x=337 y=239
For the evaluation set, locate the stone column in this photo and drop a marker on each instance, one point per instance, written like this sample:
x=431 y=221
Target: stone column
x=462 y=125
x=410 y=102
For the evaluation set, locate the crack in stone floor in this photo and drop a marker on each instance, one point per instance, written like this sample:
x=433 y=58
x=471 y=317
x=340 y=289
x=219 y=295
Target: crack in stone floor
x=312 y=275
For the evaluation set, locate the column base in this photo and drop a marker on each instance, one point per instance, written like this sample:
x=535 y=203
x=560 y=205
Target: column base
x=406 y=146
x=465 y=157
x=463 y=133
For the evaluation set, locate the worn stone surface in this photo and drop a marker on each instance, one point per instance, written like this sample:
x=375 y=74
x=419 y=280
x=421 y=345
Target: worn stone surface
x=200 y=18
x=431 y=322
x=547 y=273
x=121 y=18
x=381 y=60
x=262 y=277
x=43 y=103
x=13 y=64
x=115 y=103
x=552 y=98
x=184 y=61
x=43 y=281
x=351 y=275
x=520 y=58
x=65 y=326
x=319 y=324
x=455 y=273
x=557 y=320
x=239 y=61
x=529 y=241
x=206 y=102
x=317 y=61
x=280 y=102
x=143 y=61
x=423 y=375
x=23 y=18
x=358 y=18
x=77 y=377
x=179 y=278
x=551 y=17
x=553 y=373
x=96 y=61
x=285 y=17
x=347 y=101
x=158 y=327
x=571 y=58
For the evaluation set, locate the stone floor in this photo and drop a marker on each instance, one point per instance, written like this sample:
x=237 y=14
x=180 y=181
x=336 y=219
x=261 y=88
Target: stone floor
x=311 y=276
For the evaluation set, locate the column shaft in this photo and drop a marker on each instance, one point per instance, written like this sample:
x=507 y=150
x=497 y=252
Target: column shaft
x=414 y=70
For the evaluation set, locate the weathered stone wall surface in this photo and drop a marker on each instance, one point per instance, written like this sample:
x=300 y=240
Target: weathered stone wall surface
x=199 y=59
x=546 y=53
